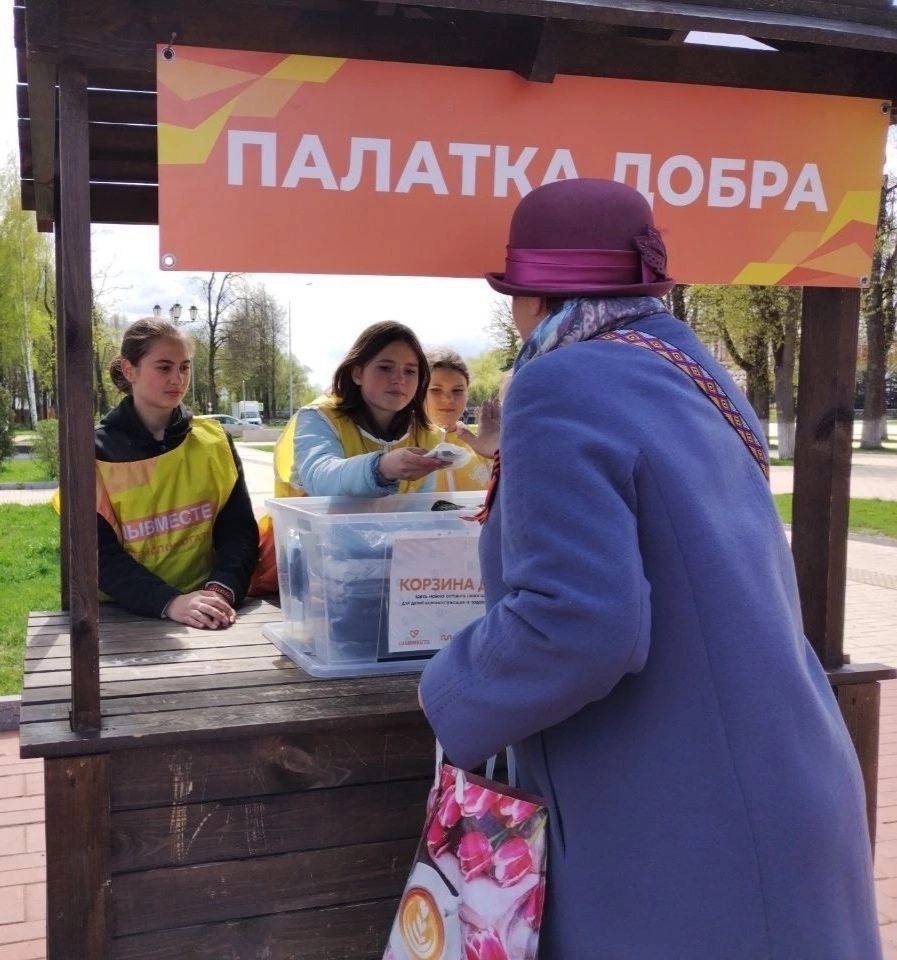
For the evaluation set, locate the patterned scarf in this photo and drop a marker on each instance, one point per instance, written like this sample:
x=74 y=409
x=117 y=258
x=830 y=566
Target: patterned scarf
x=582 y=318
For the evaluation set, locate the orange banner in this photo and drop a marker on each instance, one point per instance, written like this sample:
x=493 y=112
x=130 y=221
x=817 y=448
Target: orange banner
x=296 y=164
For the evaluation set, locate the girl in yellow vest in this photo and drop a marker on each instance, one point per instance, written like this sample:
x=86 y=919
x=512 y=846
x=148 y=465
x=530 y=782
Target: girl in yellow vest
x=446 y=401
x=370 y=435
x=177 y=535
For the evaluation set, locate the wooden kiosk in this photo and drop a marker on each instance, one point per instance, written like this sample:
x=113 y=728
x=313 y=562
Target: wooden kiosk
x=203 y=796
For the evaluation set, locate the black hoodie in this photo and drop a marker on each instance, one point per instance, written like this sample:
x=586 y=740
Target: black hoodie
x=121 y=437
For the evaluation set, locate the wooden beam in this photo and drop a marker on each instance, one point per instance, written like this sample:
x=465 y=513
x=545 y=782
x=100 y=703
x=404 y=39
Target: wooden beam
x=121 y=34
x=76 y=791
x=542 y=64
x=118 y=153
x=863 y=26
x=823 y=443
x=79 y=495
x=42 y=105
x=113 y=202
x=106 y=105
x=860 y=705
x=807 y=70
x=42 y=36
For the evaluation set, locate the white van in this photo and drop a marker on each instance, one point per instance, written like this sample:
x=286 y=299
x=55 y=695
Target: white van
x=248 y=410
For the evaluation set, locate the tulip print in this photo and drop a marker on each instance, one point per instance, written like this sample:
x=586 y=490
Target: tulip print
x=448 y=813
x=476 y=800
x=438 y=838
x=514 y=811
x=534 y=904
x=474 y=854
x=511 y=861
x=484 y=945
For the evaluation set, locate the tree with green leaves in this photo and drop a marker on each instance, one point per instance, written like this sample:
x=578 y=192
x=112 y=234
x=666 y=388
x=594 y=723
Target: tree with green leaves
x=304 y=391
x=220 y=292
x=256 y=333
x=754 y=323
x=24 y=272
x=777 y=310
x=677 y=302
x=502 y=331
x=487 y=370
x=6 y=424
x=878 y=308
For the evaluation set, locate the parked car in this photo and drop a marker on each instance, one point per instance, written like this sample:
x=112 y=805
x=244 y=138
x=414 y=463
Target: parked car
x=232 y=425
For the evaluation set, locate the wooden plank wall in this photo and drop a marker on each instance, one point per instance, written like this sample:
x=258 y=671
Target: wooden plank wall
x=277 y=847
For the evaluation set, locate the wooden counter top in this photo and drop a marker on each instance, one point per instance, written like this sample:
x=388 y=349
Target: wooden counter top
x=164 y=682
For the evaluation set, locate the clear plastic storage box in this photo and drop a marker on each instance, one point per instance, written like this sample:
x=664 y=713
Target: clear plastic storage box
x=374 y=586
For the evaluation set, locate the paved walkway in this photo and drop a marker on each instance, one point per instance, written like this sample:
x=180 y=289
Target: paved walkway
x=870 y=636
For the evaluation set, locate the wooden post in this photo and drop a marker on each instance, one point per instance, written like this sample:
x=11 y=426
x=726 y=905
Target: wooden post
x=79 y=493
x=860 y=705
x=78 y=835
x=822 y=454
x=62 y=421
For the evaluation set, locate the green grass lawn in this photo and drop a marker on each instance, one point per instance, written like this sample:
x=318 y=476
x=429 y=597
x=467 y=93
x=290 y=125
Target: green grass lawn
x=867 y=517
x=23 y=471
x=29 y=580
x=29 y=567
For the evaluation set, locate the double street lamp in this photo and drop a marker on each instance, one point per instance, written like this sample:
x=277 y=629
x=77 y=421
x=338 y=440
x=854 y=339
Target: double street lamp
x=174 y=311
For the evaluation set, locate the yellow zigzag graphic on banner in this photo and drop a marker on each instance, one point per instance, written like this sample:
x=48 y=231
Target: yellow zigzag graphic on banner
x=798 y=248
x=861 y=205
x=265 y=97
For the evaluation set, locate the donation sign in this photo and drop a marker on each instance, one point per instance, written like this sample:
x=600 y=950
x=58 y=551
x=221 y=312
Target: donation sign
x=303 y=164
x=434 y=590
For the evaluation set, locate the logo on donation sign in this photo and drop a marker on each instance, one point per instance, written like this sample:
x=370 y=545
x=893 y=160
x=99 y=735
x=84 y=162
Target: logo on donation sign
x=421 y=925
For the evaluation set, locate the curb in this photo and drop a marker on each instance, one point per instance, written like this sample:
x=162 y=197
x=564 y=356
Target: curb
x=9 y=712
x=31 y=485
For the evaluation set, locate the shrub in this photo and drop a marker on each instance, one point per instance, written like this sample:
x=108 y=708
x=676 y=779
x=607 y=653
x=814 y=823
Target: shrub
x=46 y=447
x=5 y=424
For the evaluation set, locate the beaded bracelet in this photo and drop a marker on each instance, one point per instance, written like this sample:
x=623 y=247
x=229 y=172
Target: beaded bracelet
x=221 y=590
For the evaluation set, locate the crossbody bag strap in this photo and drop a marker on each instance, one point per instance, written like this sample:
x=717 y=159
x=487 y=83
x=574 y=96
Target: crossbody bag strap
x=702 y=380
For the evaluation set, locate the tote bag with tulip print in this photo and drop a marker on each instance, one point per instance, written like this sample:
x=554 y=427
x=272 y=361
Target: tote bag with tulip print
x=477 y=885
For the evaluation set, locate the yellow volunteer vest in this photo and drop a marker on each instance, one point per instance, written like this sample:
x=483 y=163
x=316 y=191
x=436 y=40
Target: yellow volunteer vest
x=163 y=509
x=474 y=475
x=353 y=441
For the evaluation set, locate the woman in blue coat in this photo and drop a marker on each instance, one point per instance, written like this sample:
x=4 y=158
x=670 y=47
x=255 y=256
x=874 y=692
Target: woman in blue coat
x=642 y=648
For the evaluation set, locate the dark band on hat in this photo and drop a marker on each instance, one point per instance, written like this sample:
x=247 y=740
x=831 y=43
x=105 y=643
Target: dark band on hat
x=573 y=269
x=569 y=270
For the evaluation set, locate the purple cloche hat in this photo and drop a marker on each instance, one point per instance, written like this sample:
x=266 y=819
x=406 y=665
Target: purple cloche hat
x=583 y=237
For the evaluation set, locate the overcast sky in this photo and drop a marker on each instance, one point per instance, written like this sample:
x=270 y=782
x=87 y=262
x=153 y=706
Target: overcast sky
x=327 y=311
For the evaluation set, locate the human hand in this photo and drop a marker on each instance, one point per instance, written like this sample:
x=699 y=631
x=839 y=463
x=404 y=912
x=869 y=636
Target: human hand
x=408 y=463
x=485 y=440
x=202 y=608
